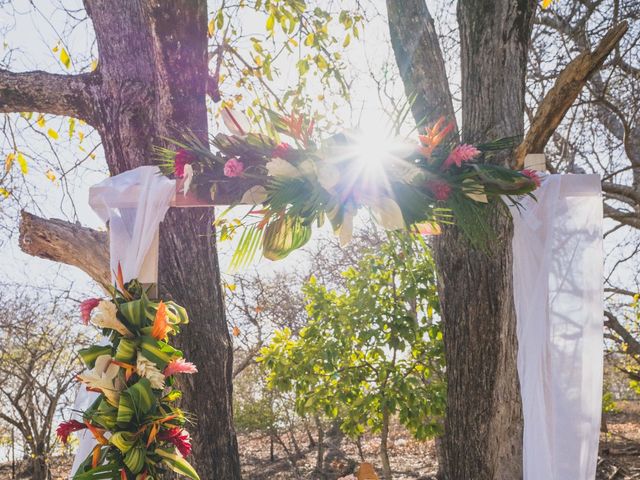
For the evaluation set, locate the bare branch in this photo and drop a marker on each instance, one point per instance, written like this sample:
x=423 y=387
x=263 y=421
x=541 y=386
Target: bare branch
x=633 y=345
x=68 y=243
x=44 y=92
x=568 y=85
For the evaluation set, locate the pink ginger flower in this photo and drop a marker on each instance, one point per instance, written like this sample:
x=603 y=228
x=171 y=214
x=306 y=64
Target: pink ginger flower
x=282 y=150
x=179 y=437
x=459 y=155
x=86 y=307
x=533 y=175
x=233 y=168
x=183 y=157
x=440 y=189
x=67 y=428
x=179 y=365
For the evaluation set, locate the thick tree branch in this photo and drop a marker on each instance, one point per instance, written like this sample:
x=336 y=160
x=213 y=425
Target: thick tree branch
x=68 y=243
x=419 y=57
x=37 y=91
x=633 y=345
x=568 y=85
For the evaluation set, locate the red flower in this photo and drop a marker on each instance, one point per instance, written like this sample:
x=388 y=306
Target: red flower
x=67 y=428
x=282 y=150
x=233 y=168
x=86 y=307
x=440 y=189
x=179 y=437
x=179 y=365
x=183 y=157
x=459 y=155
x=533 y=175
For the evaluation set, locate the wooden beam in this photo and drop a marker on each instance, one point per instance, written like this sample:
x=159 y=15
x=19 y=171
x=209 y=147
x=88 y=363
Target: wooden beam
x=66 y=242
x=564 y=92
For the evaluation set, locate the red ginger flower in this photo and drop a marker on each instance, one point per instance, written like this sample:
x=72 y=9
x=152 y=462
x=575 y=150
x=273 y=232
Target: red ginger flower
x=440 y=189
x=533 y=175
x=233 y=168
x=459 y=155
x=86 y=307
x=179 y=437
x=67 y=428
x=179 y=365
x=183 y=157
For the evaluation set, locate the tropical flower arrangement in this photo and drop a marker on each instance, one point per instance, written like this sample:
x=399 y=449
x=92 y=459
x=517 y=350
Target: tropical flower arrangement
x=138 y=429
x=417 y=186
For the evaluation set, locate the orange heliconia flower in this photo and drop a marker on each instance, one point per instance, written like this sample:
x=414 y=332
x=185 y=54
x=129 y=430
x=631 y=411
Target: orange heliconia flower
x=120 y=283
x=96 y=456
x=435 y=136
x=161 y=327
x=128 y=368
x=295 y=123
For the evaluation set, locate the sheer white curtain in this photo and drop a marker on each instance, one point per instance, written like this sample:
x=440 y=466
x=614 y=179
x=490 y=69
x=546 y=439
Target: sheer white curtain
x=133 y=204
x=558 y=291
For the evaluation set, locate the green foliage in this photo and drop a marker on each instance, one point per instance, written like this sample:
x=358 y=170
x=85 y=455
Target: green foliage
x=372 y=350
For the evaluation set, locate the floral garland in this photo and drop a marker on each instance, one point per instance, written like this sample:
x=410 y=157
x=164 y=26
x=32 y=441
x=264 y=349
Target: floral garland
x=420 y=186
x=138 y=429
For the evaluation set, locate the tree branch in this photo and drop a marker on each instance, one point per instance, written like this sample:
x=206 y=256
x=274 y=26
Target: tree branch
x=68 y=243
x=37 y=91
x=419 y=56
x=633 y=345
x=568 y=85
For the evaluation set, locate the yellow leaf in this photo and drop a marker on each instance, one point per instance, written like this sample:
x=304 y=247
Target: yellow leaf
x=94 y=64
x=4 y=192
x=52 y=133
x=231 y=287
x=271 y=20
x=8 y=163
x=40 y=121
x=24 y=168
x=309 y=40
x=546 y=3
x=50 y=175
x=65 y=58
x=347 y=41
x=72 y=126
x=211 y=28
x=80 y=135
x=56 y=48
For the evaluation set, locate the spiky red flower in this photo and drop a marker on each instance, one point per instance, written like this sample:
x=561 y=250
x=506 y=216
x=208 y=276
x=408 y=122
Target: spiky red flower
x=86 y=307
x=533 y=175
x=459 y=155
x=179 y=365
x=183 y=157
x=233 y=168
x=67 y=428
x=440 y=189
x=179 y=437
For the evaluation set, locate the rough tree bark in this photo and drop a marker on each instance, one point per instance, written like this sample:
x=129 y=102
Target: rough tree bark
x=151 y=84
x=483 y=426
x=484 y=423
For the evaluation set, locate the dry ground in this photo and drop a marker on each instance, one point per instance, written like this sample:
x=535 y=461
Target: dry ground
x=620 y=454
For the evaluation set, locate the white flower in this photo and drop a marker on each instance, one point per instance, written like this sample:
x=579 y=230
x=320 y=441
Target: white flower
x=147 y=369
x=102 y=378
x=277 y=167
x=188 y=178
x=236 y=122
x=255 y=195
x=105 y=317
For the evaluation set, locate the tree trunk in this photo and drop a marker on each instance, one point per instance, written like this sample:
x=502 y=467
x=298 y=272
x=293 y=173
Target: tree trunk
x=39 y=466
x=152 y=76
x=384 y=446
x=483 y=426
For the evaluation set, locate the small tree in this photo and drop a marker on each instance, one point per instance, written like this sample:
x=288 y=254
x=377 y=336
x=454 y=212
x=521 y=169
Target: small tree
x=37 y=367
x=370 y=351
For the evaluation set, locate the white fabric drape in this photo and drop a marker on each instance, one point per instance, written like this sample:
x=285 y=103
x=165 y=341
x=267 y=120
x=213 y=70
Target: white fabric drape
x=133 y=204
x=558 y=292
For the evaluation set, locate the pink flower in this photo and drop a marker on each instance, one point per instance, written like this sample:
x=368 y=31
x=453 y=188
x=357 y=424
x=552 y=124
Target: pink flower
x=179 y=365
x=282 y=150
x=86 y=307
x=179 y=437
x=533 y=175
x=440 y=189
x=233 y=168
x=183 y=157
x=67 y=428
x=459 y=155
